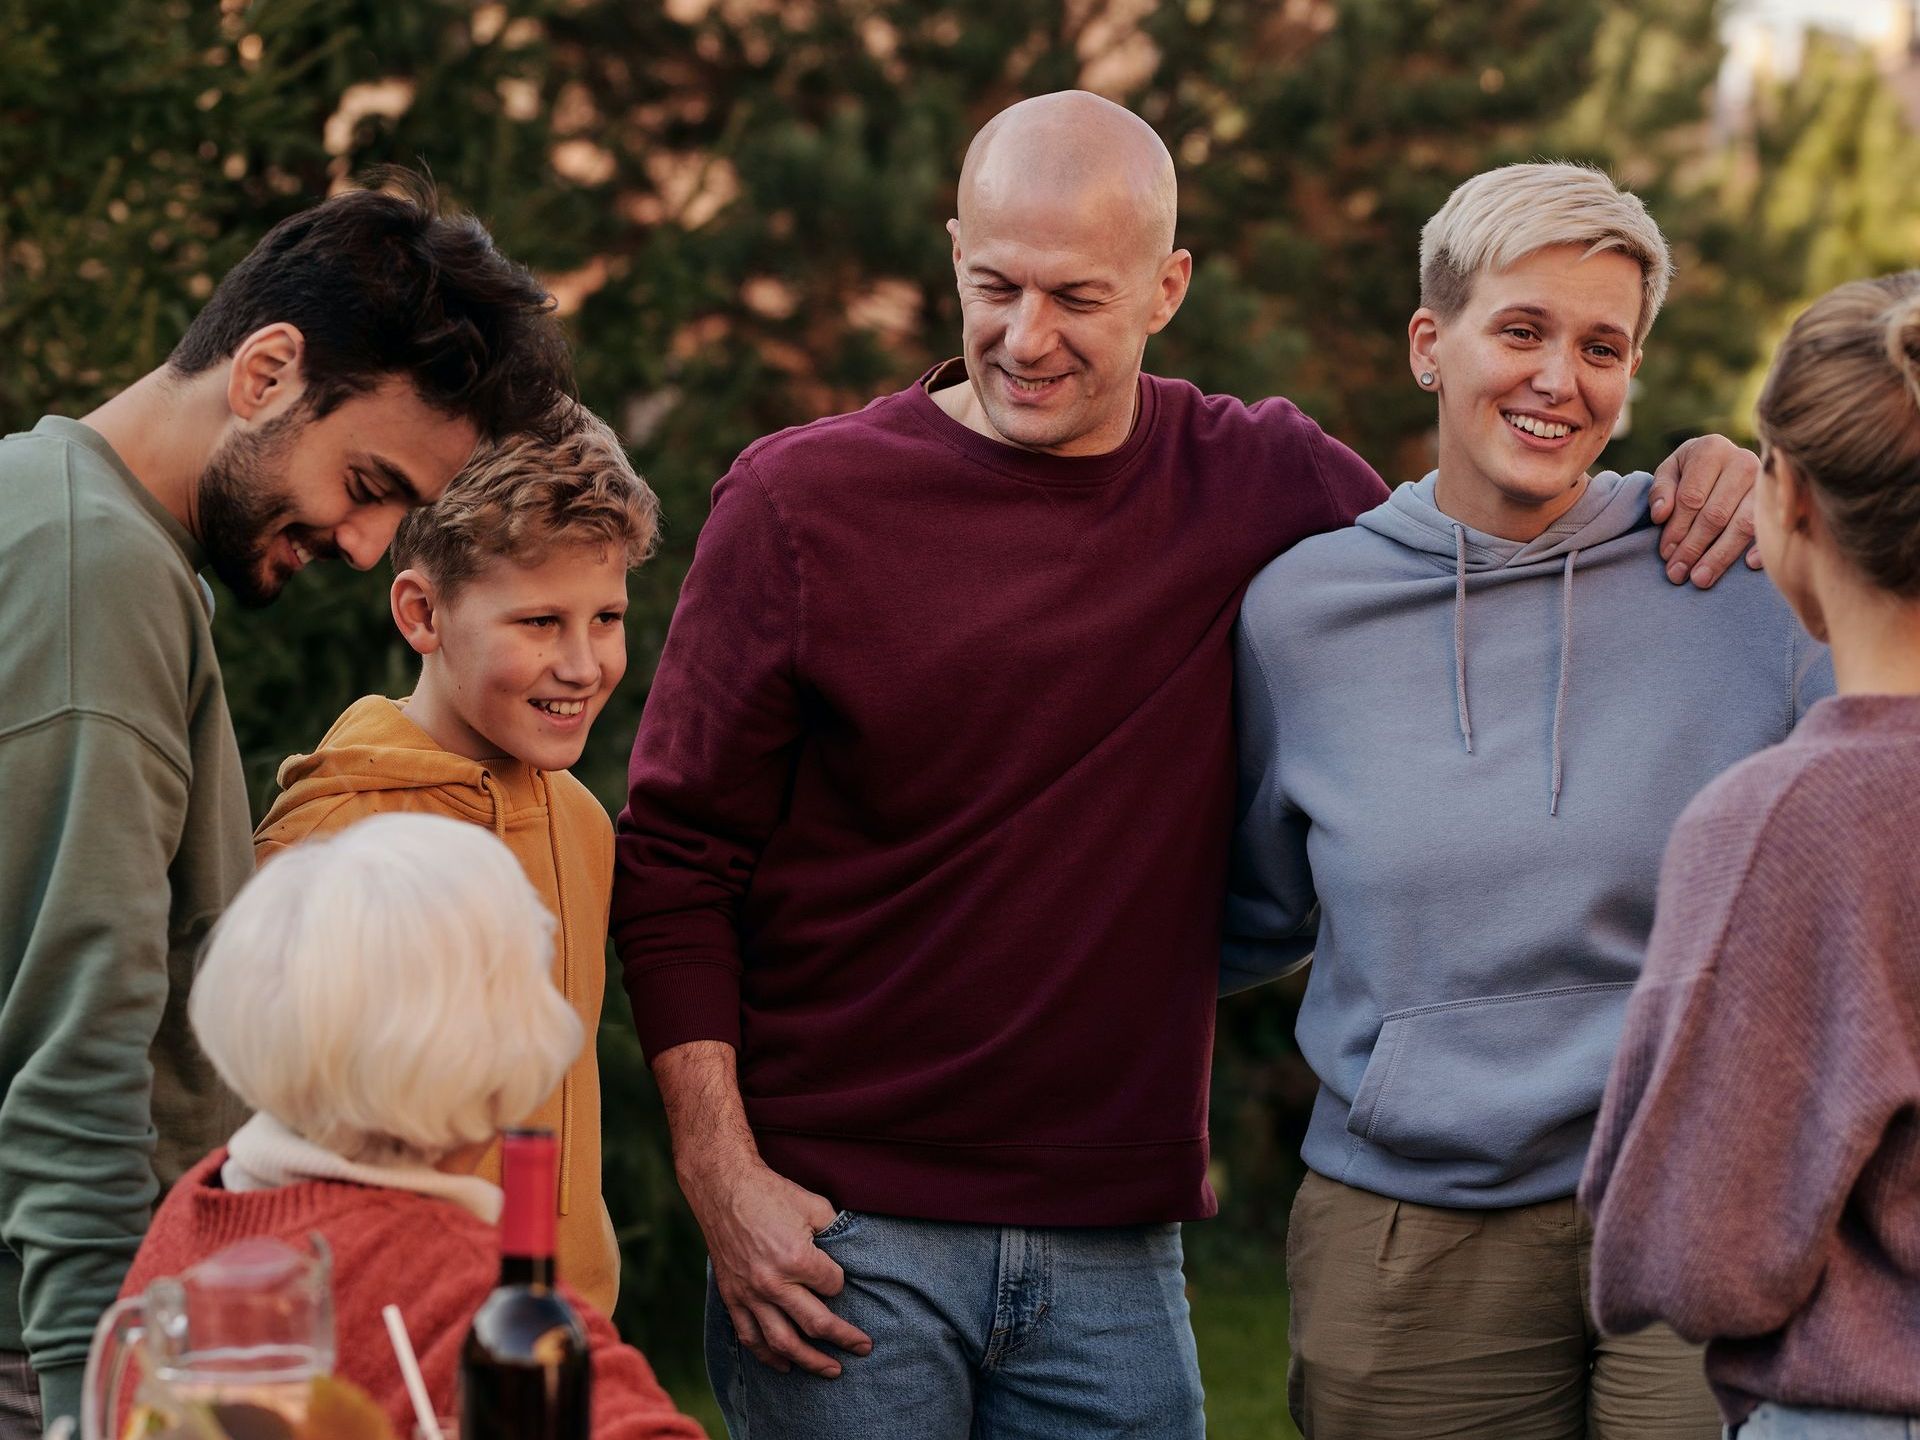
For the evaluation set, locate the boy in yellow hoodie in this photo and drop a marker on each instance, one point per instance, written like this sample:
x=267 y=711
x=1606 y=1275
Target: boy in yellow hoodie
x=512 y=590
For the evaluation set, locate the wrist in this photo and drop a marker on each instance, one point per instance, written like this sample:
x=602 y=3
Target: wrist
x=714 y=1162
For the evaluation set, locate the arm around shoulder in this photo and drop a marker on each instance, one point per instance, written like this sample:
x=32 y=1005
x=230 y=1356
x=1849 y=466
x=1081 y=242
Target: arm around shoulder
x=1353 y=487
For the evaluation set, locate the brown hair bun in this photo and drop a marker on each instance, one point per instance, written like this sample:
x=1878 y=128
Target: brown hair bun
x=1842 y=401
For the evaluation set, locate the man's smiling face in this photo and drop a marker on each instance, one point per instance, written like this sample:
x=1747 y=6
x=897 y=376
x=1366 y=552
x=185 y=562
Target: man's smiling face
x=294 y=489
x=1063 y=253
x=1055 y=316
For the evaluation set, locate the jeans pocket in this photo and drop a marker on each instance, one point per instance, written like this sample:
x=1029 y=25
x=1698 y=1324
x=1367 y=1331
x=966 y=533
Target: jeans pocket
x=838 y=1226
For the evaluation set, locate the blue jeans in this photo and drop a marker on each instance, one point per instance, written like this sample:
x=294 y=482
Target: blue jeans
x=983 y=1332
x=1787 y=1422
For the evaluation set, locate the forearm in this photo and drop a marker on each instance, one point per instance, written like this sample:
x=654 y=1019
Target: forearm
x=700 y=1089
x=759 y=1227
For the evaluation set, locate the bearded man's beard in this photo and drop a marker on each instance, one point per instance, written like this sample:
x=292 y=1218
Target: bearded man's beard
x=242 y=500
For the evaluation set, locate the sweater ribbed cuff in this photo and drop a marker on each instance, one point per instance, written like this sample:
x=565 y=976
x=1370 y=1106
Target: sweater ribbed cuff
x=682 y=1001
x=60 y=1390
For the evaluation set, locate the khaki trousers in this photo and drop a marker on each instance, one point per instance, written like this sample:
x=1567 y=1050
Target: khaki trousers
x=1411 y=1322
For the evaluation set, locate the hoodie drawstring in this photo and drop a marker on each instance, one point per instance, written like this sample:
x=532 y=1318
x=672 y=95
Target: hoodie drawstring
x=1460 y=634
x=499 y=805
x=1566 y=657
x=1566 y=675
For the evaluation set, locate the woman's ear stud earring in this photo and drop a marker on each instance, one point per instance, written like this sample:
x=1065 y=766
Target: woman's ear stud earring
x=1426 y=377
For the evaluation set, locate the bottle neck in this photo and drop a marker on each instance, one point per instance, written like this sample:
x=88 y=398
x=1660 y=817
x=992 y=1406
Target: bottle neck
x=527 y=1216
x=527 y=1271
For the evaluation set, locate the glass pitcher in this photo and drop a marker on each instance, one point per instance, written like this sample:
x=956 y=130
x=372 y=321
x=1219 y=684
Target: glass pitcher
x=249 y=1325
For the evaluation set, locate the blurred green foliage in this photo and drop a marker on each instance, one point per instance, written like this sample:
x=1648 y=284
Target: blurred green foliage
x=740 y=204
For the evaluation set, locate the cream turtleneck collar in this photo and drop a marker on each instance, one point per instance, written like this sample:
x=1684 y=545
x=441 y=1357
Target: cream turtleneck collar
x=265 y=1155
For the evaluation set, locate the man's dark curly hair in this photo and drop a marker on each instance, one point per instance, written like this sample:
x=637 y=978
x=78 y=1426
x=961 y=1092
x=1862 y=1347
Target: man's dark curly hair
x=381 y=282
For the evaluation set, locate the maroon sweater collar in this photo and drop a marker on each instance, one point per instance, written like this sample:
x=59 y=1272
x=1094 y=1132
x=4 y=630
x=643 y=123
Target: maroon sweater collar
x=1028 y=465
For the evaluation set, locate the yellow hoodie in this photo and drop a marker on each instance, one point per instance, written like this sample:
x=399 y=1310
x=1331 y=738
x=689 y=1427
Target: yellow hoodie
x=375 y=761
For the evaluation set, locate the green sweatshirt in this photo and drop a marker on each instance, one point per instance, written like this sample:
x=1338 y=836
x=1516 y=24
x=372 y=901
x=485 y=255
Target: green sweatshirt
x=123 y=834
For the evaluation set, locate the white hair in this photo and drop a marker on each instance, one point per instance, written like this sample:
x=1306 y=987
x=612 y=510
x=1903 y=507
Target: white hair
x=385 y=993
x=1500 y=217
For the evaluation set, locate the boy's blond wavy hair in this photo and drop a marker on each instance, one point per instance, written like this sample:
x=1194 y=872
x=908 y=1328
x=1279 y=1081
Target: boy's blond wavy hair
x=518 y=498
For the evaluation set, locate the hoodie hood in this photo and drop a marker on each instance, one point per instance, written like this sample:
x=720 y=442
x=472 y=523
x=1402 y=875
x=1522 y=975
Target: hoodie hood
x=1612 y=505
x=374 y=747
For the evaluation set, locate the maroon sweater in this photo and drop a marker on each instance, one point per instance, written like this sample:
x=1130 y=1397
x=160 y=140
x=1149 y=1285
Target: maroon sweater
x=1755 y=1174
x=931 y=799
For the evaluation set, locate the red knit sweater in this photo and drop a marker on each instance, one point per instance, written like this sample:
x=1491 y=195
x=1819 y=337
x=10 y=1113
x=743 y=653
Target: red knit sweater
x=426 y=1255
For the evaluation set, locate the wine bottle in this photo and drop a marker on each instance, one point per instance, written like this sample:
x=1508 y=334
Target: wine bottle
x=524 y=1371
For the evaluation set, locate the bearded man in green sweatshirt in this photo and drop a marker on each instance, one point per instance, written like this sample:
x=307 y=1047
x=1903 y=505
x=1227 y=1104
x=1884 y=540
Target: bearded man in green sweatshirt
x=340 y=374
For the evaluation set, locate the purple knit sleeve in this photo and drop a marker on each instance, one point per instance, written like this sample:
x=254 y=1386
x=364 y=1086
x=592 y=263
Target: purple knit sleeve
x=1760 y=1065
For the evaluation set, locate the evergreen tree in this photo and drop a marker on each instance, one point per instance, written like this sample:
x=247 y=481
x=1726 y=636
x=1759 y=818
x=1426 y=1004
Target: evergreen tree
x=1814 y=199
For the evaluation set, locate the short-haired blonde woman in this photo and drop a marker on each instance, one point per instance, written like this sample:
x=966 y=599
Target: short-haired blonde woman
x=1466 y=727
x=382 y=999
x=1755 y=1177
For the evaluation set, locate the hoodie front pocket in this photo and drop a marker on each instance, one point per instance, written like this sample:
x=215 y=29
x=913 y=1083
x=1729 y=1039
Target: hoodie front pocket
x=1493 y=1083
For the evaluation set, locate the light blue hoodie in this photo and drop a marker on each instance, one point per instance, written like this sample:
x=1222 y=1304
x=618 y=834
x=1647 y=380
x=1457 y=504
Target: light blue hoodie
x=1460 y=757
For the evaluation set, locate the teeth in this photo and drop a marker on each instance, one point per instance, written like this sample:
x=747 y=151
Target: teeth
x=301 y=553
x=560 y=707
x=1020 y=384
x=1545 y=429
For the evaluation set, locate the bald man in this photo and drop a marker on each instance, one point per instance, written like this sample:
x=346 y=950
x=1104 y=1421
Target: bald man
x=920 y=881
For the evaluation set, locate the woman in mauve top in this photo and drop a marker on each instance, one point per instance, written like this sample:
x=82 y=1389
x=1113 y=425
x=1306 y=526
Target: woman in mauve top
x=1755 y=1175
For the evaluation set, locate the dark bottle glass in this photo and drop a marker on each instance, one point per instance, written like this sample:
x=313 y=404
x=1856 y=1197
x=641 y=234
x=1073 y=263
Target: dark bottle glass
x=524 y=1372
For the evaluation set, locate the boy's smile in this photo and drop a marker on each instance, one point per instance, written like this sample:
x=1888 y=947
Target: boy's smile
x=521 y=658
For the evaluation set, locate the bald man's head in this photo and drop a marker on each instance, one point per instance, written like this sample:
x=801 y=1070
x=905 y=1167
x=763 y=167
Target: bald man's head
x=1074 y=147
x=1063 y=251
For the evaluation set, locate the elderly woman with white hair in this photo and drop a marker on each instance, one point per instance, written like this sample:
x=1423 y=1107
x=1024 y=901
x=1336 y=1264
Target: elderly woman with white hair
x=1467 y=725
x=381 y=998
